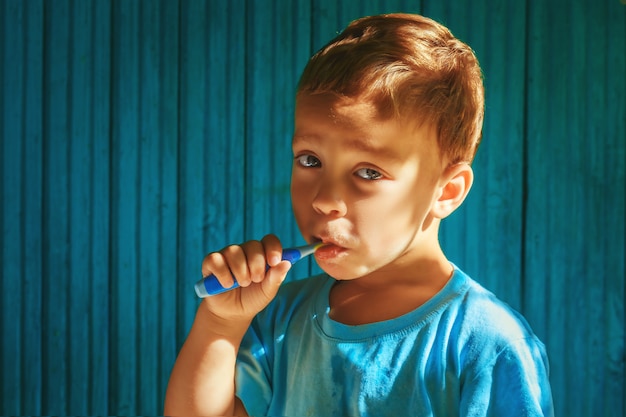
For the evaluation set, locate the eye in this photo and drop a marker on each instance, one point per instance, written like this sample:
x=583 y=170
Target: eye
x=369 y=174
x=308 y=161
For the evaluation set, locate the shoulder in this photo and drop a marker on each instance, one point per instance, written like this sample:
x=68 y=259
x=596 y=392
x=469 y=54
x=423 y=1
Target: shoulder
x=489 y=331
x=482 y=327
x=484 y=315
x=504 y=365
x=497 y=351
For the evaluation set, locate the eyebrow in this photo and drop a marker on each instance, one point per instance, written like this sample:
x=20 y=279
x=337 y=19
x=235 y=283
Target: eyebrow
x=361 y=145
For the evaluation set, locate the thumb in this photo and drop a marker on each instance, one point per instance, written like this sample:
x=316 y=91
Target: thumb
x=275 y=276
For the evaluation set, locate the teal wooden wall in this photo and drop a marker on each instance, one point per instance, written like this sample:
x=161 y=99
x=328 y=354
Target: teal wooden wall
x=139 y=135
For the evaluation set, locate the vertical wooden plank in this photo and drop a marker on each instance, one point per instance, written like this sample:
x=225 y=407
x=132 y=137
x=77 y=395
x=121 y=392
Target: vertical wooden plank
x=536 y=285
x=126 y=137
x=224 y=134
x=31 y=299
x=13 y=50
x=265 y=145
x=100 y=205
x=148 y=208
x=158 y=126
x=575 y=117
x=610 y=124
x=79 y=119
x=596 y=338
x=168 y=128
x=590 y=343
x=88 y=217
x=56 y=208
x=499 y=168
x=222 y=171
x=326 y=23
x=545 y=299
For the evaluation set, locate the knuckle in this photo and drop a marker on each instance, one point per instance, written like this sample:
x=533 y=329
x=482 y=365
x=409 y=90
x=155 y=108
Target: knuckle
x=213 y=259
x=232 y=250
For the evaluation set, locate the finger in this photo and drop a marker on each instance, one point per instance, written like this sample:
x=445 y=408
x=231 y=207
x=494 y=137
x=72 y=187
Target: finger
x=255 y=258
x=215 y=263
x=238 y=264
x=273 y=249
x=274 y=278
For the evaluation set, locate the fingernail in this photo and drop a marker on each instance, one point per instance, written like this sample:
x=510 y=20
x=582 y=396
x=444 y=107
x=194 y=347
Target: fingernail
x=274 y=260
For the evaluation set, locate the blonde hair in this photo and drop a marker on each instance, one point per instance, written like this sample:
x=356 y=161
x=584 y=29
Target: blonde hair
x=409 y=66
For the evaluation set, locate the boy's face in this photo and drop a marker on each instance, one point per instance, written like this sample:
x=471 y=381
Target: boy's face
x=364 y=185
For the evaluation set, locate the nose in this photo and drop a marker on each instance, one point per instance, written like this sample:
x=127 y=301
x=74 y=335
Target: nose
x=330 y=199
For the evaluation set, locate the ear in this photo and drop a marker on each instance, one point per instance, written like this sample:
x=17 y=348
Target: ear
x=455 y=184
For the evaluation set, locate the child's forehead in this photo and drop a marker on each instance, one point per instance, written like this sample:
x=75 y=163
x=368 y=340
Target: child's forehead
x=357 y=114
x=359 y=125
x=352 y=118
x=339 y=109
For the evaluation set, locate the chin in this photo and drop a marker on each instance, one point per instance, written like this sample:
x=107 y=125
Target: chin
x=342 y=272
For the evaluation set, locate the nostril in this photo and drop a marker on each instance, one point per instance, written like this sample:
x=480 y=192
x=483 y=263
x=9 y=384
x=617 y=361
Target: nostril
x=329 y=206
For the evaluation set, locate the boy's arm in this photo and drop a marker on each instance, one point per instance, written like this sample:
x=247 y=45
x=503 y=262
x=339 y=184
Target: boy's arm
x=203 y=379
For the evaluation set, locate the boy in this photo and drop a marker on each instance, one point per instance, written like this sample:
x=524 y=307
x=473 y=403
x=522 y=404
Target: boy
x=388 y=118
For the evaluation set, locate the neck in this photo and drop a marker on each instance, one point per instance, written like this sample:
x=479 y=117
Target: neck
x=391 y=291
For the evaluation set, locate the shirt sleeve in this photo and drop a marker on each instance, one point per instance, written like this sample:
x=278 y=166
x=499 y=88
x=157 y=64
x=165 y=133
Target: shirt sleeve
x=514 y=383
x=253 y=373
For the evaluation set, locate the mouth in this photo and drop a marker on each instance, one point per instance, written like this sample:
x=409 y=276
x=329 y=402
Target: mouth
x=331 y=249
x=328 y=252
x=327 y=240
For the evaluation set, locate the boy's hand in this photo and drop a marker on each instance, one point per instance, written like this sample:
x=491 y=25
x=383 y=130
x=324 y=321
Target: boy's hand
x=257 y=286
x=202 y=380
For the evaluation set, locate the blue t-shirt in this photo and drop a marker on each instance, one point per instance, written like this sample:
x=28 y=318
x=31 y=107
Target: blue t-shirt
x=462 y=353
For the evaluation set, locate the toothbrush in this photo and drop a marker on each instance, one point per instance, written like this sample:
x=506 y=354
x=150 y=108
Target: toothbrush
x=208 y=286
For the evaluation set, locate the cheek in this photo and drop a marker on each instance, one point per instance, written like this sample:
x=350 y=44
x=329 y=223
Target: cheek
x=390 y=217
x=378 y=221
x=299 y=199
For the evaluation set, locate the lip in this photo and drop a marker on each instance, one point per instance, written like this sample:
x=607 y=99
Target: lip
x=332 y=248
x=329 y=251
x=331 y=240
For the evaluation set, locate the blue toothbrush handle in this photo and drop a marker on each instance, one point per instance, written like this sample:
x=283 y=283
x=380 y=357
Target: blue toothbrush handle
x=210 y=285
